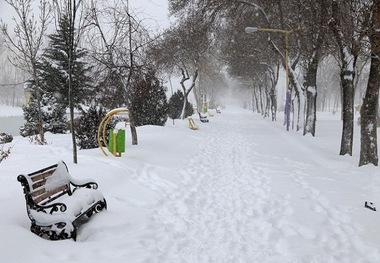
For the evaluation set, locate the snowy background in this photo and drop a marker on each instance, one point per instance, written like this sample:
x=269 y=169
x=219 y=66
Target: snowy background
x=239 y=189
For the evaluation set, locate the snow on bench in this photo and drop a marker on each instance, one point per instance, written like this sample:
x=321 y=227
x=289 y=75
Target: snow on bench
x=57 y=204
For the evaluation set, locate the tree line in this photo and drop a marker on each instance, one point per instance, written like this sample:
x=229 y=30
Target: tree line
x=300 y=36
x=100 y=54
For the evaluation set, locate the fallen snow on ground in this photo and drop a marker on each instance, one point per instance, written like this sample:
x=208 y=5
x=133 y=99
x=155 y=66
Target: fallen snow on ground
x=8 y=111
x=239 y=189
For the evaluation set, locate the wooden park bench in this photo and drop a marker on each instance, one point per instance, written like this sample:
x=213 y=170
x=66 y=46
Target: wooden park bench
x=57 y=204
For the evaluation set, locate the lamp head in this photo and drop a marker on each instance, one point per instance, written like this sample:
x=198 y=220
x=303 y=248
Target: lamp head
x=249 y=30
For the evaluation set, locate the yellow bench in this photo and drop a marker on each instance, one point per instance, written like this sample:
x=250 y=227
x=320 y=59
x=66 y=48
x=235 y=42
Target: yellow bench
x=192 y=124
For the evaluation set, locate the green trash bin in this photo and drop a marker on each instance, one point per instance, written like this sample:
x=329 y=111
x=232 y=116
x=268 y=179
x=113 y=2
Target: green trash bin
x=205 y=107
x=120 y=142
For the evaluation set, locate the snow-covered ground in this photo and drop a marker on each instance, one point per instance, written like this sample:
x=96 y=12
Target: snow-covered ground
x=239 y=189
x=9 y=111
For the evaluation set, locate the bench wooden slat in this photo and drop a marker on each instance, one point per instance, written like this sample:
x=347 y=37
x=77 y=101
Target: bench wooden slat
x=37 y=185
x=63 y=189
x=41 y=176
x=38 y=192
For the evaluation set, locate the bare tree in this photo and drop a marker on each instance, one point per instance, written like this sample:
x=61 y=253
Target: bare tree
x=328 y=79
x=369 y=109
x=118 y=41
x=26 y=42
x=251 y=61
x=264 y=14
x=211 y=81
x=348 y=22
x=314 y=21
x=181 y=50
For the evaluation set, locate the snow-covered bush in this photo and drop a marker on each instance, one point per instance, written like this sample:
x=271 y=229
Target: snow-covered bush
x=53 y=116
x=4 y=153
x=5 y=138
x=148 y=99
x=175 y=106
x=36 y=139
x=86 y=127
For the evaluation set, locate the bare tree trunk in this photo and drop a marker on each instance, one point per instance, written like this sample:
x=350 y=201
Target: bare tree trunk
x=347 y=112
x=71 y=10
x=133 y=129
x=311 y=97
x=267 y=101
x=317 y=38
x=348 y=60
x=185 y=76
x=273 y=96
x=297 y=106
x=257 y=103
x=368 y=130
x=273 y=102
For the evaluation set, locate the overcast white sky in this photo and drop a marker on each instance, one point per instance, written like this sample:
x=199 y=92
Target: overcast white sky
x=155 y=13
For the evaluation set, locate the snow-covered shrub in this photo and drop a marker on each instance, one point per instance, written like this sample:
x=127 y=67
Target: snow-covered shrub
x=36 y=139
x=148 y=99
x=53 y=116
x=5 y=138
x=175 y=106
x=4 y=154
x=86 y=127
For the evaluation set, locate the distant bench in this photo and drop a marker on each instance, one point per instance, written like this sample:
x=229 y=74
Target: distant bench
x=203 y=118
x=192 y=124
x=57 y=204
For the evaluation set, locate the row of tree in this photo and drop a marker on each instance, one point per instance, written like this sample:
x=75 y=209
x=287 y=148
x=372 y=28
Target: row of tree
x=311 y=32
x=101 y=51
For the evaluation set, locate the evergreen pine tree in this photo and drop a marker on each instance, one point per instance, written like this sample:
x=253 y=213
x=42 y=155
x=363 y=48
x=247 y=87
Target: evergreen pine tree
x=175 y=105
x=54 y=69
x=148 y=99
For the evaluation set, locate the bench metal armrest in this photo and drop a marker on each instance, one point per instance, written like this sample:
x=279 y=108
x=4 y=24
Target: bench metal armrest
x=53 y=207
x=83 y=183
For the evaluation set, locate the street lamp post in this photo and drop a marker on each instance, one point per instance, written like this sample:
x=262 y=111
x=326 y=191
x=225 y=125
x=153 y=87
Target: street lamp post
x=286 y=33
x=28 y=90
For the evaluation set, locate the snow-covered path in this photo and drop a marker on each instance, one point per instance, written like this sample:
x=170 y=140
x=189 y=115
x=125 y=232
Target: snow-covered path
x=229 y=214
x=246 y=201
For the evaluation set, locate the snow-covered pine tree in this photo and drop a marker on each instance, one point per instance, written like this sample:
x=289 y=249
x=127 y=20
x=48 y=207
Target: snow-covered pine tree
x=54 y=69
x=53 y=116
x=56 y=121
x=175 y=106
x=148 y=100
x=64 y=64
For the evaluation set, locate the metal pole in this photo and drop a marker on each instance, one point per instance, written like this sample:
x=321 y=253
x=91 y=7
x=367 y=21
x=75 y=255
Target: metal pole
x=287 y=93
